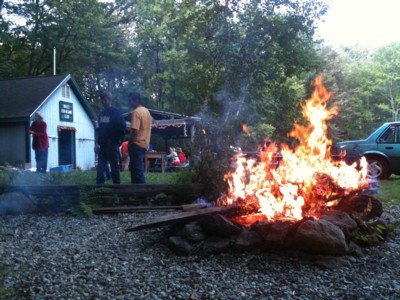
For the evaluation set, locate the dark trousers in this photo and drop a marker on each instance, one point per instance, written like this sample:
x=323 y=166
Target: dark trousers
x=136 y=163
x=108 y=153
x=41 y=160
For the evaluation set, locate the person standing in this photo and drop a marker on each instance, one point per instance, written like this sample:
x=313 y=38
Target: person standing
x=111 y=128
x=139 y=140
x=40 y=142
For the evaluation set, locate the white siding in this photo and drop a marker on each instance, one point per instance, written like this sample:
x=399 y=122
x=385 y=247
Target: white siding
x=84 y=135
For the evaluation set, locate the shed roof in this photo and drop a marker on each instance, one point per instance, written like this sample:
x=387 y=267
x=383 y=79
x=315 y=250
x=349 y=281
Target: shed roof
x=21 y=97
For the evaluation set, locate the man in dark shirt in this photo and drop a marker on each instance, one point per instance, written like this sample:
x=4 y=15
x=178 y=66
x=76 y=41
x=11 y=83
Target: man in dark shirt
x=111 y=128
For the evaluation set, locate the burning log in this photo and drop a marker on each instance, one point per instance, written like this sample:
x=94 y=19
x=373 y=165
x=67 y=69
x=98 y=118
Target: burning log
x=362 y=206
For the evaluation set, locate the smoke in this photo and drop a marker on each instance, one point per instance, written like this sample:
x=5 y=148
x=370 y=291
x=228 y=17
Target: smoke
x=223 y=117
x=15 y=203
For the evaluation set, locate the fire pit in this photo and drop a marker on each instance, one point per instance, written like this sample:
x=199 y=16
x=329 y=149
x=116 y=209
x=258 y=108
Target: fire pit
x=306 y=200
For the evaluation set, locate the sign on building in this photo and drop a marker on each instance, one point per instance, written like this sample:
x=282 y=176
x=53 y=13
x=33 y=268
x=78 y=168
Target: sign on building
x=66 y=111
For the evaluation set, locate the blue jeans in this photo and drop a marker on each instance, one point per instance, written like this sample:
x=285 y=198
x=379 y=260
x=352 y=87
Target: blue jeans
x=41 y=160
x=108 y=153
x=136 y=163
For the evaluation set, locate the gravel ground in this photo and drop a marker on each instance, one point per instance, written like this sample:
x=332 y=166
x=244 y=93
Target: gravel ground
x=63 y=257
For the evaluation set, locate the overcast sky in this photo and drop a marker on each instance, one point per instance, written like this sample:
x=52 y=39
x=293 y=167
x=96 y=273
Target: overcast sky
x=368 y=23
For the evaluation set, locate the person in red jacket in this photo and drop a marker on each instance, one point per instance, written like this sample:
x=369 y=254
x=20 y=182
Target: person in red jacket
x=40 y=142
x=181 y=155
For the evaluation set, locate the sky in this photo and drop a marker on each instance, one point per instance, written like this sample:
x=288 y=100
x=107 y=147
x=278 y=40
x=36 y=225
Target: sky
x=369 y=23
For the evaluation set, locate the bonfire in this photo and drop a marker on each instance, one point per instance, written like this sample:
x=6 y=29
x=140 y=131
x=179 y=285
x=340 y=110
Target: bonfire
x=305 y=181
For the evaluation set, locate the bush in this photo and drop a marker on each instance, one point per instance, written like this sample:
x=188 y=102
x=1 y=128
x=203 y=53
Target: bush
x=210 y=169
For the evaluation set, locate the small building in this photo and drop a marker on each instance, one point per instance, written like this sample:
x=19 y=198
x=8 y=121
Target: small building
x=66 y=111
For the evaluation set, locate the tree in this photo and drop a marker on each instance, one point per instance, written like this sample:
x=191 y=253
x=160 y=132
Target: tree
x=386 y=65
x=89 y=42
x=365 y=83
x=232 y=61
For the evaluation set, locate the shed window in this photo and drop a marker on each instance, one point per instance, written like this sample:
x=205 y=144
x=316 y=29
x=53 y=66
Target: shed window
x=65 y=91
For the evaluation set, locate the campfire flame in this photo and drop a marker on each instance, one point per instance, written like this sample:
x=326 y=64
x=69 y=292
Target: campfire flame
x=302 y=181
x=245 y=129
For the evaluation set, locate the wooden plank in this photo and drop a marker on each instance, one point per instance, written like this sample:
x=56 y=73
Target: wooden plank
x=192 y=207
x=128 y=209
x=181 y=218
x=45 y=190
x=119 y=189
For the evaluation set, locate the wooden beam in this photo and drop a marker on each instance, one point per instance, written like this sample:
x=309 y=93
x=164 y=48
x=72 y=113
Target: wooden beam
x=133 y=209
x=118 y=189
x=129 y=209
x=183 y=217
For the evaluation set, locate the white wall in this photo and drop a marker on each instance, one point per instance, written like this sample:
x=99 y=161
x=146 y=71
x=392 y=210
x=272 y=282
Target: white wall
x=84 y=135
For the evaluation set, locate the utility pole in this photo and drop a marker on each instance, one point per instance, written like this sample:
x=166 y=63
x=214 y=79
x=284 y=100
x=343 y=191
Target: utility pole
x=54 y=61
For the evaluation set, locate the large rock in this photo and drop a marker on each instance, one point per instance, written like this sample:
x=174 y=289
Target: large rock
x=274 y=234
x=218 y=225
x=15 y=203
x=180 y=246
x=340 y=219
x=216 y=245
x=247 y=240
x=320 y=237
x=193 y=232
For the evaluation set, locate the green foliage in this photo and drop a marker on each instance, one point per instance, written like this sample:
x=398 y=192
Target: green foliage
x=6 y=176
x=210 y=170
x=257 y=135
x=366 y=84
x=183 y=176
x=98 y=197
x=229 y=61
x=377 y=229
x=369 y=232
x=82 y=210
x=95 y=198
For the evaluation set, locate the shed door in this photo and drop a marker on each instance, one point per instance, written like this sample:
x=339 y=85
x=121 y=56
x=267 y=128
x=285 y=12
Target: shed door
x=14 y=144
x=66 y=147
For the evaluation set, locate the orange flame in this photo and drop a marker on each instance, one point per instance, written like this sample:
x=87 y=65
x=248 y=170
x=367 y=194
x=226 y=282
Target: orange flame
x=246 y=130
x=302 y=182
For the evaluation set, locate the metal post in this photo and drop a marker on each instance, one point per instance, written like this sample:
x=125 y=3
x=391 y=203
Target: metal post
x=54 y=61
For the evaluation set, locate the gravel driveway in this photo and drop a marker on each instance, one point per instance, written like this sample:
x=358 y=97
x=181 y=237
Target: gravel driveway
x=63 y=257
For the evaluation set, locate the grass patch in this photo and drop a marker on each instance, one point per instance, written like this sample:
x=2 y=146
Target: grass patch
x=89 y=178
x=390 y=190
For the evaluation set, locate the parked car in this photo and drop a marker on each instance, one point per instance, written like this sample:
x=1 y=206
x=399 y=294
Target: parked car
x=381 y=149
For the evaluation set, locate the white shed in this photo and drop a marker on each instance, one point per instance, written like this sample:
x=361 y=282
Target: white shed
x=66 y=111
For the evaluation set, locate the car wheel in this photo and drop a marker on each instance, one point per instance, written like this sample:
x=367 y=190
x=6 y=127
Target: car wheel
x=378 y=167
